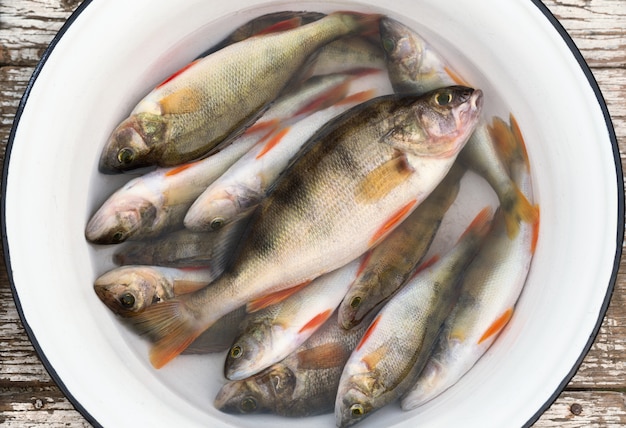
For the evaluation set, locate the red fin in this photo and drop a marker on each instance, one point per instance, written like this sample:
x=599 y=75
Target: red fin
x=359 y=97
x=176 y=73
x=316 y=321
x=180 y=168
x=287 y=24
x=273 y=141
x=480 y=224
x=369 y=332
x=535 y=238
x=497 y=325
x=326 y=99
x=428 y=263
x=455 y=77
x=171 y=328
x=392 y=222
x=272 y=298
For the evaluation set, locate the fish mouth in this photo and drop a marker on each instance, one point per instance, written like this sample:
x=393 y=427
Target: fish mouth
x=477 y=100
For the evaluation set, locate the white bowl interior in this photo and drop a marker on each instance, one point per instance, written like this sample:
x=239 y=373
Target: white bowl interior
x=116 y=50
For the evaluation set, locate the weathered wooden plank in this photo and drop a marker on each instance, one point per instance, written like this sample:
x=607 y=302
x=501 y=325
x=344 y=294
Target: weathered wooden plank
x=597 y=28
x=29 y=398
x=575 y=409
x=37 y=407
x=27 y=26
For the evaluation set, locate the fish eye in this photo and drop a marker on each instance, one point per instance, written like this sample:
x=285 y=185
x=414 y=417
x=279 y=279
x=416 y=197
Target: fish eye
x=248 y=405
x=357 y=410
x=127 y=300
x=118 y=236
x=125 y=155
x=217 y=223
x=236 y=351
x=355 y=302
x=388 y=44
x=443 y=98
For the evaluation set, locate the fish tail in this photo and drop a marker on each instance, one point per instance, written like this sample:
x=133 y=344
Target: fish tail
x=509 y=142
x=518 y=209
x=365 y=24
x=521 y=144
x=172 y=328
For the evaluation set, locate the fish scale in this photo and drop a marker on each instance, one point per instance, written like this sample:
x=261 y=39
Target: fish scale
x=188 y=115
x=397 y=343
x=302 y=231
x=307 y=379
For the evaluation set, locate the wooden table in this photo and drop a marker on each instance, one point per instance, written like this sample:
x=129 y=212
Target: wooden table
x=596 y=396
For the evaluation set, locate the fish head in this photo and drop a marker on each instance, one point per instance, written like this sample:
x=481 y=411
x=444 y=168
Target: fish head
x=211 y=215
x=366 y=293
x=221 y=207
x=249 y=352
x=352 y=406
x=413 y=64
x=129 y=289
x=133 y=143
x=119 y=219
x=437 y=124
x=267 y=391
x=404 y=50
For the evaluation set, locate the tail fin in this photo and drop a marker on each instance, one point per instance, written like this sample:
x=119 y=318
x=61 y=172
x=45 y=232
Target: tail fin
x=509 y=142
x=364 y=24
x=171 y=327
x=516 y=209
x=512 y=150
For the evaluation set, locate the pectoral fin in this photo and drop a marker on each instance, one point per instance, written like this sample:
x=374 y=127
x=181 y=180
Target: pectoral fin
x=383 y=179
x=325 y=356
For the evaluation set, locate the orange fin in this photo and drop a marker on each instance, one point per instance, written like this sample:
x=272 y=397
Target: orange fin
x=455 y=77
x=326 y=99
x=480 y=224
x=372 y=359
x=497 y=325
x=358 y=97
x=368 y=332
x=383 y=179
x=535 y=238
x=185 y=287
x=177 y=73
x=521 y=144
x=171 y=328
x=287 y=24
x=272 y=298
x=428 y=263
x=517 y=209
x=181 y=168
x=392 y=222
x=316 y=321
x=272 y=142
x=184 y=100
x=326 y=356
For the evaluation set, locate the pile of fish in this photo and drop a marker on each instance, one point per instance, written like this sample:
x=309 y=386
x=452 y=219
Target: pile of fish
x=288 y=186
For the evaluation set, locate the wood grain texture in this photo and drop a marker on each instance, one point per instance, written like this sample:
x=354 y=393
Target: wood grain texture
x=595 y=397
